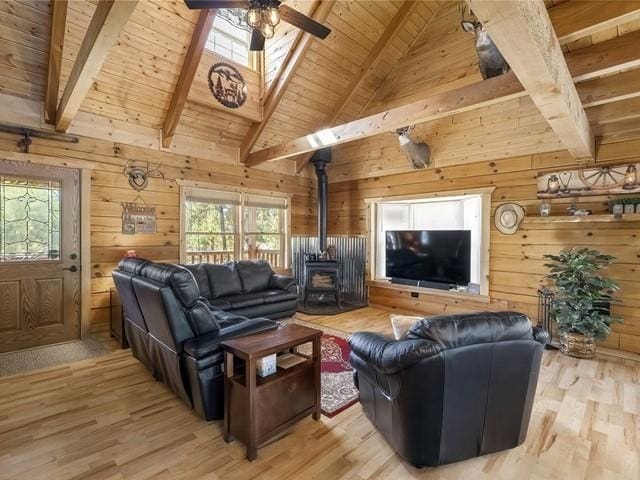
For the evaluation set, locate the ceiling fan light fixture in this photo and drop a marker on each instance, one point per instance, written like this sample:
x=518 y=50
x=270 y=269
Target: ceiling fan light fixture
x=254 y=17
x=272 y=16
x=268 y=31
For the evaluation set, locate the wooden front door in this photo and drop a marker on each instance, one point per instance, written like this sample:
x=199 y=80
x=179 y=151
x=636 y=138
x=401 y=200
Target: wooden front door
x=39 y=255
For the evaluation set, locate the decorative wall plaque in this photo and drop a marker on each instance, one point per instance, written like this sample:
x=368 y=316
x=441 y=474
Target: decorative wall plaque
x=227 y=85
x=138 y=218
x=590 y=181
x=138 y=175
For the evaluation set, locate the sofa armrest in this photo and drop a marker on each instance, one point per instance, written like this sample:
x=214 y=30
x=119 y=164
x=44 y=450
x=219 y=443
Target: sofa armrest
x=209 y=344
x=389 y=356
x=281 y=282
x=540 y=335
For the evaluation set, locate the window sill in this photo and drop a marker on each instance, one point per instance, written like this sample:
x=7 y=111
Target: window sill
x=475 y=297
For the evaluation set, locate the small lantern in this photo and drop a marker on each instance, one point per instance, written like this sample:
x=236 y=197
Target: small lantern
x=630 y=178
x=553 y=184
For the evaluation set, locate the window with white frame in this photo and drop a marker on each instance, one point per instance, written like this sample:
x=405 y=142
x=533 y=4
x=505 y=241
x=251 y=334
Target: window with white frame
x=464 y=212
x=229 y=40
x=220 y=226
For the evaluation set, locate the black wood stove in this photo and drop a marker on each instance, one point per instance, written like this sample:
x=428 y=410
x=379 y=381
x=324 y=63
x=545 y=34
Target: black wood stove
x=321 y=269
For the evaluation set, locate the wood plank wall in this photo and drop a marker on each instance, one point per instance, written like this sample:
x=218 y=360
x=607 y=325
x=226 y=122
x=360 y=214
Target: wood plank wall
x=516 y=264
x=109 y=189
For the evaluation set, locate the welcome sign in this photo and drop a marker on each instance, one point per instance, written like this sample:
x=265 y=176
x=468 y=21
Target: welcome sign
x=138 y=218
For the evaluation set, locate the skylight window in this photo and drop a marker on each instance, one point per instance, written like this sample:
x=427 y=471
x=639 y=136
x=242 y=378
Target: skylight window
x=229 y=40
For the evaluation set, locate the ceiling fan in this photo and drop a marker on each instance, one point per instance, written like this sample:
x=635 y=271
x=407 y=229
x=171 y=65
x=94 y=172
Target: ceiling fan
x=263 y=16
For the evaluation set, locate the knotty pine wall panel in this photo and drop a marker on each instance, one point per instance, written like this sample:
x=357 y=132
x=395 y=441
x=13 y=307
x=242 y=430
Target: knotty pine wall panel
x=109 y=188
x=516 y=261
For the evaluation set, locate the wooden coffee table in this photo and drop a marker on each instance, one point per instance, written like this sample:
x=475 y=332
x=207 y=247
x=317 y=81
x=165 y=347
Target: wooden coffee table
x=256 y=409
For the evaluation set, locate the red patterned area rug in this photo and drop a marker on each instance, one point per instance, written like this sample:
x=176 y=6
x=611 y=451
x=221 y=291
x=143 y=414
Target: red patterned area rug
x=338 y=390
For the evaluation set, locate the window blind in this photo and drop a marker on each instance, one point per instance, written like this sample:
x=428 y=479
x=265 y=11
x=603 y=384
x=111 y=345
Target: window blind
x=212 y=196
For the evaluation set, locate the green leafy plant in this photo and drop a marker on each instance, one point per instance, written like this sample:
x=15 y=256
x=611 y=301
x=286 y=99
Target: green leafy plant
x=582 y=294
x=624 y=201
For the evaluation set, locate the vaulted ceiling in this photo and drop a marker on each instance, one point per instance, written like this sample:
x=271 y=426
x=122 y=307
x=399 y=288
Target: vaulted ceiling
x=380 y=55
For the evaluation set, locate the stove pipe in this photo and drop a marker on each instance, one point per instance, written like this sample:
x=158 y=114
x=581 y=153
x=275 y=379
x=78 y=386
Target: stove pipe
x=320 y=159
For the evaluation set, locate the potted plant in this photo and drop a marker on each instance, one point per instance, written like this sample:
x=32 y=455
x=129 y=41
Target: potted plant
x=582 y=299
x=629 y=205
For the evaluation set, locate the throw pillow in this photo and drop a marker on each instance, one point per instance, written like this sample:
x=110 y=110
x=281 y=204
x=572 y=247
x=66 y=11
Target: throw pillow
x=401 y=324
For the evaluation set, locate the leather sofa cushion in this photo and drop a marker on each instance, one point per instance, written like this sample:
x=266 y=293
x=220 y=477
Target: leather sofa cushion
x=255 y=275
x=220 y=303
x=202 y=278
x=180 y=280
x=246 y=300
x=274 y=296
x=281 y=282
x=132 y=265
x=224 y=280
x=202 y=319
x=451 y=331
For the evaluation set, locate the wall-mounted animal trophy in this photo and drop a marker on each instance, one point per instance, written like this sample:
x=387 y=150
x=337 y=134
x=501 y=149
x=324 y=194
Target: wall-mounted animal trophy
x=418 y=153
x=491 y=61
x=139 y=175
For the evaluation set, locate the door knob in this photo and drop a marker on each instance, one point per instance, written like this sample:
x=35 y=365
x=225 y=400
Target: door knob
x=72 y=268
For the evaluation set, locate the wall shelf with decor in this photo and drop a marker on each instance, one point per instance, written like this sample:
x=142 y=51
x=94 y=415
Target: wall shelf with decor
x=607 y=217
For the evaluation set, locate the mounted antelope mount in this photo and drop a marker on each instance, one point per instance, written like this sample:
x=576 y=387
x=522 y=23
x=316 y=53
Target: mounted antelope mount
x=418 y=154
x=491 y=61
x=139 y=176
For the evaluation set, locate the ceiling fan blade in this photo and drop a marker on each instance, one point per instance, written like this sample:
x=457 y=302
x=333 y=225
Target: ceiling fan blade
x=211 y=4
x=303 y=22
x=257 y=41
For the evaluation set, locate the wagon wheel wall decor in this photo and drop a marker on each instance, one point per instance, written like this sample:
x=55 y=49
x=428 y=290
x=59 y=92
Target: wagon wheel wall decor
x=227 y=85
x=603 y=178
x=607 y=180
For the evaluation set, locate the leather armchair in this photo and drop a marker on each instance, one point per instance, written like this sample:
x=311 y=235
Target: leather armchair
x=457 y=387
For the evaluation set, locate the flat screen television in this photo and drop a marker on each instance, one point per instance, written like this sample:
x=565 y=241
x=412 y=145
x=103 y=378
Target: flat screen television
x=434 y=256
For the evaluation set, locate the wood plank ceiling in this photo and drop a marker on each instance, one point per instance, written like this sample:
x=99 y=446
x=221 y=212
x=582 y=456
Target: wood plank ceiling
x=135 y=85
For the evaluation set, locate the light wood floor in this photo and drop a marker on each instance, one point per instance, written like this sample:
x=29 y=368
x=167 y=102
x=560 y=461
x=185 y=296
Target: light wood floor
x=107 y=419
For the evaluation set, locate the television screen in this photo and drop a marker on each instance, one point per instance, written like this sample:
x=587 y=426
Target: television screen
x=442 y=256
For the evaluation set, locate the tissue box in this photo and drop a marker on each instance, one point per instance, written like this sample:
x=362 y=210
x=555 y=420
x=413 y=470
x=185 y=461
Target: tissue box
x=266 y=366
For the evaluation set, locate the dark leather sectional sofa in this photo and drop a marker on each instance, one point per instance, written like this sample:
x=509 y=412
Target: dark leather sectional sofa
x=458 y=386
x=176 y=333
x=246 y=288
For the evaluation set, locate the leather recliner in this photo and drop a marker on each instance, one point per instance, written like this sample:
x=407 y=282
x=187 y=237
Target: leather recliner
x=456 y=387
x=183 y=335
x=247 y=288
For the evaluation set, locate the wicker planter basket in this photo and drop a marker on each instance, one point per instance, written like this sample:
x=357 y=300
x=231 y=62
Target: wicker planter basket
x=576 y=345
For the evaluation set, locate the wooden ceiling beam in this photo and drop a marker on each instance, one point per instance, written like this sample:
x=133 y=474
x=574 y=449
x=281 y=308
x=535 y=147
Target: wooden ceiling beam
x=588 y=63
x=470 y=97
x=577 y=19
x=368 y=65
x=628 y=109
x=613 y=88
x=108 y=20
x=523 y=33
x=54 y=68
x=187 y=74
x=605 y=58
x=321 y=11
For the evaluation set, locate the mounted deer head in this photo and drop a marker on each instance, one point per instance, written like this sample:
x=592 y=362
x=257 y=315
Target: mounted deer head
x=418 y=154
x=139 y=176
x=491 y=61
